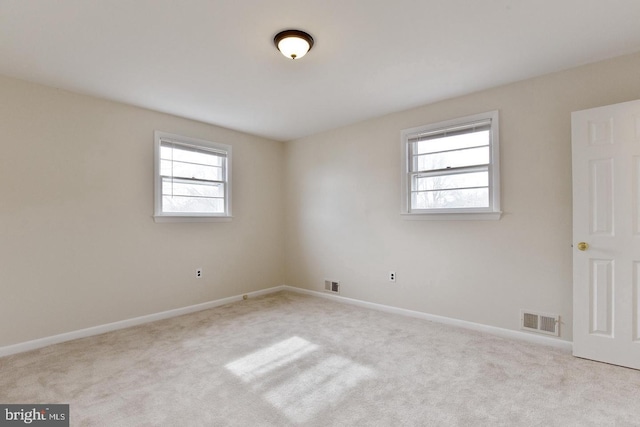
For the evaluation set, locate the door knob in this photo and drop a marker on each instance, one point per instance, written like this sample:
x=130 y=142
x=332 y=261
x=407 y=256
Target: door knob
x=583 y=246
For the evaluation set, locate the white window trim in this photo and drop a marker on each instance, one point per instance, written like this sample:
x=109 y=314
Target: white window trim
x=493 y=212
x=159 y=216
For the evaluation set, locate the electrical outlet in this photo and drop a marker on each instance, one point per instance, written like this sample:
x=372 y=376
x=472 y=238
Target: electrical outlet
x=392 y=276
x=198 y=273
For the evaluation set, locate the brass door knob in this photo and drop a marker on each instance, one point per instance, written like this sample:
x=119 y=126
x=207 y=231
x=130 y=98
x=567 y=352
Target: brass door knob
x=583 y=246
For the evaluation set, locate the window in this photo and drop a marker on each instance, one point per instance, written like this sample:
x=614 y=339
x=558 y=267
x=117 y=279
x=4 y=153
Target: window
x=192 y=179
x=451 y=170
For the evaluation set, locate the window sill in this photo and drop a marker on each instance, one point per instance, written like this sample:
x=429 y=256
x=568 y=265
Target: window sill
x=448 y=216
x=184 y=218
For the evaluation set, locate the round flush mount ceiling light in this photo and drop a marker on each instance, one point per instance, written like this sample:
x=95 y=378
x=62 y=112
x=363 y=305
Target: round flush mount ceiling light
x=293 y=44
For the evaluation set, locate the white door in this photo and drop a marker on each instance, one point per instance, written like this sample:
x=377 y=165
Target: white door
x=606 y=233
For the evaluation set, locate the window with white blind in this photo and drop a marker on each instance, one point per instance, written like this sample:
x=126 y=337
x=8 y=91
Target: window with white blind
x=193 y=179
x=451 y=170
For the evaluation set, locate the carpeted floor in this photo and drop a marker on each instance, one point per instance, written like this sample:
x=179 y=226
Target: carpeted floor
x=289 y=359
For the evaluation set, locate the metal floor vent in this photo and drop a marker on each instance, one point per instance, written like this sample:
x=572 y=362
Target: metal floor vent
x=331 y=286
x=542 y=323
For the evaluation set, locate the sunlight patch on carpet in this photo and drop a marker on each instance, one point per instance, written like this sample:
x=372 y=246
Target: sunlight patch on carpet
x=317 y=388
x=299 y=393
x=266 y=360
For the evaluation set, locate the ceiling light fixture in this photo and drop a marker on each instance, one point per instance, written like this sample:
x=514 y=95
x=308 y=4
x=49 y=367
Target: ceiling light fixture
x=293 y=44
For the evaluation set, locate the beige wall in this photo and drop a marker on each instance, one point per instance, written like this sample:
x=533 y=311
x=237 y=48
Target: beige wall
x=78 y=245
x=343 y=204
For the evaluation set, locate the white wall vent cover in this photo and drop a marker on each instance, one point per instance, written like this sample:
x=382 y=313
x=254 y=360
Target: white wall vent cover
x=542 y=323
x=332 y=286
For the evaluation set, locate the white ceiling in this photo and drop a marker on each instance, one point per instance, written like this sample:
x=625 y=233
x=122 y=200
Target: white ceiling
x=214 y=60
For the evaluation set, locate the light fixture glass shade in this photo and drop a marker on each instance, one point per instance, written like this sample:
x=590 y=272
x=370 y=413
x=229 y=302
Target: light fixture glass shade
x=293 y=44
x=293 y=47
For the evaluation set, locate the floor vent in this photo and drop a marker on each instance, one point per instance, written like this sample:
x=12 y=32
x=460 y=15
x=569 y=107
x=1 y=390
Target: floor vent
x=542 y=323
x=331 y=286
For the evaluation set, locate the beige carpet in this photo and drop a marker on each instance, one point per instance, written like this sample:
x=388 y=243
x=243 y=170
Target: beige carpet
x=288 y=359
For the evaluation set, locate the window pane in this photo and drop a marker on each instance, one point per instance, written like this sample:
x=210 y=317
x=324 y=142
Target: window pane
x=445 y=182
x=468 y=198
x=168 y=152
x=190 y=170
x=202 y=189
x=165 y=167
x=467 y=140
x=192 y=205
x=196 y=157
x=452 y=159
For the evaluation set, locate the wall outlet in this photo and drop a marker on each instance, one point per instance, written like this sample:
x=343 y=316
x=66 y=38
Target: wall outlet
x=392 y=276
x=198 y=273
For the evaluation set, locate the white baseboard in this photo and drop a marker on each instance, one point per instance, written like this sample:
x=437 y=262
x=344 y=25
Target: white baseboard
x=505 y=333
x=101 y=329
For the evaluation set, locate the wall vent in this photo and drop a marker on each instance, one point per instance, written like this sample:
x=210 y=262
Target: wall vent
x=542 y=323
x=332 y=286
